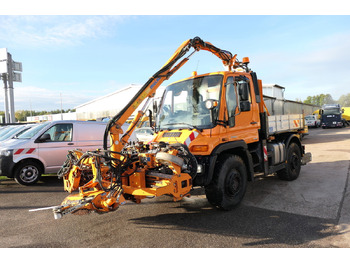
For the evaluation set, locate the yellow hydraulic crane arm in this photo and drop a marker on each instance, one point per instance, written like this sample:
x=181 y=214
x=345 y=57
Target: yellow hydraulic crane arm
x=113 y=129
x=105 y=178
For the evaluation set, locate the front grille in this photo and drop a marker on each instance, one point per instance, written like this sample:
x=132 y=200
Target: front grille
x=172 y=134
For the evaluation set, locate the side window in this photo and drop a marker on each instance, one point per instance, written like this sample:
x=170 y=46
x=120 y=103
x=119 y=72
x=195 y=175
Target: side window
x=231 y=97
x=60 y=133
x=244 y=96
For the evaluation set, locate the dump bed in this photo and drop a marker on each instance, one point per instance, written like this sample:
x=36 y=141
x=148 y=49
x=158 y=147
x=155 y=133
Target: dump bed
x=285 y=123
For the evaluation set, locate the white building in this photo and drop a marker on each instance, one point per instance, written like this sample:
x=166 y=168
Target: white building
x=273 y=90
x=111 y=104
x=52 y=117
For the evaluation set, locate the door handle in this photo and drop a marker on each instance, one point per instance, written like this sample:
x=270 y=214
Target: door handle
x=70 y=144
x=253 y=123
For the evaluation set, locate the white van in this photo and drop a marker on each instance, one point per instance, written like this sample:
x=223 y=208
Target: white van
x=43 y=149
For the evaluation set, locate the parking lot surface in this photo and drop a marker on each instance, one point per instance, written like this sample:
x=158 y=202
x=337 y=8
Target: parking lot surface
x=312 y=211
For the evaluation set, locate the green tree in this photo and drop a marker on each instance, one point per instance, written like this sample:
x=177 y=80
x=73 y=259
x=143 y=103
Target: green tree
x=344 y=100
x=319 y=100
x=21 y=115
x=2 y=116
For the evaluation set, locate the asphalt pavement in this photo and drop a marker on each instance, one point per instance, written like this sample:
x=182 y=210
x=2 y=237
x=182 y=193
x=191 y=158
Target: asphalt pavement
x=312 y=211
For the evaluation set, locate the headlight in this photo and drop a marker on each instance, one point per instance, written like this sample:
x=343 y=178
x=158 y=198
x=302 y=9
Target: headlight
x=199 y=168
x=6 y=152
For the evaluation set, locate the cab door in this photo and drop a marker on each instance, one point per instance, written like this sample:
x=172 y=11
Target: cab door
x=53 y=146
x=242 y=110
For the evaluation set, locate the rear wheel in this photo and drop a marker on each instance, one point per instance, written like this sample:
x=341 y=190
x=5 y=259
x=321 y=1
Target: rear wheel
x=229 y=183
x=27 y=173
x=292 y=170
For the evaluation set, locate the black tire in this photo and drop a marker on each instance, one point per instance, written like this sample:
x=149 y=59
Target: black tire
x=27 y=173
x=292 y=171
x=229 y=183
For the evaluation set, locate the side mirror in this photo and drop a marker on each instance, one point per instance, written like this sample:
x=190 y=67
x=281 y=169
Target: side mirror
x=155 y=107
x=243 y=91
x=44 y=138
x=150 y=117
x=320 y=112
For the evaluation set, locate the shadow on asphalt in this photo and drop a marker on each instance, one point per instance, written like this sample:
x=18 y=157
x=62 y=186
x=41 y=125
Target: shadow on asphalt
x=261 y=227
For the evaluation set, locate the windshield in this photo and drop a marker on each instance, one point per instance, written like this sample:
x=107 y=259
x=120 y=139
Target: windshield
x=32 y=132
x=183 y=103
x=5 y=130
x=331 y=111
x=309 y=118
x=12 y=132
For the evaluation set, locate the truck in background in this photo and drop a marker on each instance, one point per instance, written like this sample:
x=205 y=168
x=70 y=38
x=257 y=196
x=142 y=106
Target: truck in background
x=331 y=116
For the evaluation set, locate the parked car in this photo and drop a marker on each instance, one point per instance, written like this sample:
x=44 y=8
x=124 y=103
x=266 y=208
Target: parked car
x=43 y=148
x=312 y=121
x=144 y=134
x=14 y=131
x=5 y=129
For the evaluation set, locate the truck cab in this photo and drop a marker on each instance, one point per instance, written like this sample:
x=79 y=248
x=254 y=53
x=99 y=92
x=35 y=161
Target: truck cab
x=331 y=116
x=212 y=114
x=221 y=105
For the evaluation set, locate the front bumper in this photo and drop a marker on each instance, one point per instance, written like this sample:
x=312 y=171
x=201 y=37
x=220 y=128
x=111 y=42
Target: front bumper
x=7 y=165
x=333 y=124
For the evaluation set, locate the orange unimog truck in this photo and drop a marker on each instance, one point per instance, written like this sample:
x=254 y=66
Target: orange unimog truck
x=212 y=130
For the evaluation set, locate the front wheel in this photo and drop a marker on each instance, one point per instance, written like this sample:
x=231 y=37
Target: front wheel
x=229 y=183
x=27 y=173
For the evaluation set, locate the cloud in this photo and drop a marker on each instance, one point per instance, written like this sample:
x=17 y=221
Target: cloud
x=320 y=67
x=38 y=99
x=40 y=31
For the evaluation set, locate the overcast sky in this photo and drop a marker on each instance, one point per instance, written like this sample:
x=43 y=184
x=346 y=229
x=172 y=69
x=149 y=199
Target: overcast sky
x=80 y=58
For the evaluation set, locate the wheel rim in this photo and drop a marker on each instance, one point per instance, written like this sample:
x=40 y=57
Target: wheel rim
x=29 y=174
x=294 y=163
x=233 y=184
